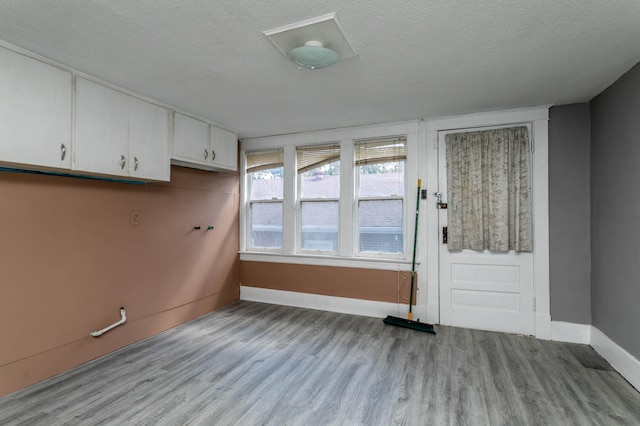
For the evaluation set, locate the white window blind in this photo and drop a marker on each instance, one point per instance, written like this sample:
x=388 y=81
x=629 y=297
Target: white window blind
x=312 y=157
x=264 y=160
x=381 y=151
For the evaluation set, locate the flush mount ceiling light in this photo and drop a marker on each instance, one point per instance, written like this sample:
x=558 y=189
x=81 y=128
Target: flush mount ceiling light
x=314 y=43
x=313 y=55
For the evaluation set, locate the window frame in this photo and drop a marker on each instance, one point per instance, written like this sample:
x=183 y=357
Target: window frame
x=300 y=200
x=356 y=205
x=249 y=208
x=347 y=255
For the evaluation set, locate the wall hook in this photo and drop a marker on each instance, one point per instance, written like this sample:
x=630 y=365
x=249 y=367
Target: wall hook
x=196 y=228
x=209 y=228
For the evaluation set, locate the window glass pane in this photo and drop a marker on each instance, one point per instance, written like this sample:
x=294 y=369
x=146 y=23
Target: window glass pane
x=266 y=225
x=319 y=171
x=267 y=184
x=321 y=182
x=380 y=165
x=319 y=220
x=382 y=179
x=380 y=225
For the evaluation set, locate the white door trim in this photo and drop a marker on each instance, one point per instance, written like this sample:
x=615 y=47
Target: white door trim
x=538 y=117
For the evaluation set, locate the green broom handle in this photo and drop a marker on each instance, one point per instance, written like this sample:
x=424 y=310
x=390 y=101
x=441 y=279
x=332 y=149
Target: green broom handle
x=415 y=241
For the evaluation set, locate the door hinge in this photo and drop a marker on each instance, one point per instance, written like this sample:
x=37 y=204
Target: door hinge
x=444 y=235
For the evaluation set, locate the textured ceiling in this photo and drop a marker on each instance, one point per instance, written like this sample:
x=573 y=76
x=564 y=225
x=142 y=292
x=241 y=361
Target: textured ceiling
x=417 y=59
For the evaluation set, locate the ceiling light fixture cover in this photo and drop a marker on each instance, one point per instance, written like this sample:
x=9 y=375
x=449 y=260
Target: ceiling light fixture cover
x=314 y=43
x=313 y=55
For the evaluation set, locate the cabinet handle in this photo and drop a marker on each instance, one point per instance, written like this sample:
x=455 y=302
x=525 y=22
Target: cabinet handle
x=213 y=155
x=63 y=152
x=206 y=154
x=135 y=163
x=123 y=161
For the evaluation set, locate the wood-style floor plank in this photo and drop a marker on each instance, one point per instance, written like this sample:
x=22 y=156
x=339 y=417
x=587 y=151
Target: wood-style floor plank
x=260 y=364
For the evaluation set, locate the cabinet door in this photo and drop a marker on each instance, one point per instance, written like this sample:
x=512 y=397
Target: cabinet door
x=35 y=112
x=148 y=141
x=224 y=147
x=191 y=140
x=102 y=129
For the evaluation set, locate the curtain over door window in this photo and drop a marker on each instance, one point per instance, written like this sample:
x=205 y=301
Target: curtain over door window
x=489 y=190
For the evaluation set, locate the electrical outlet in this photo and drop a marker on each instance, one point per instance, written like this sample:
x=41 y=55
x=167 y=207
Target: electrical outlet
x=135 y=218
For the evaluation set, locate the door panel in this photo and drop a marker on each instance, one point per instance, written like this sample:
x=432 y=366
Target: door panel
x=483 y=289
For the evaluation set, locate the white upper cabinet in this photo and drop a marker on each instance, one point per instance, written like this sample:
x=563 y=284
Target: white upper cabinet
x=203 y=146
x=35 y=112
x=116 y=134
x=148 y=141
x=102 y=129
x=119 y=135
x=190 y=139
x=224 y=148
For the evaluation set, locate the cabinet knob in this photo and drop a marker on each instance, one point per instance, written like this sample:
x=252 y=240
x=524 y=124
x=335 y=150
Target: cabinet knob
x=123 y=161
x=135 y=163
x=206 y=154
x=213 y=155
x=63 y=152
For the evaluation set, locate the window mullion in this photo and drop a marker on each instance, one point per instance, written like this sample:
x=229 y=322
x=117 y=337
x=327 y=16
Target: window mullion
x=346 y=202
x=289 y=211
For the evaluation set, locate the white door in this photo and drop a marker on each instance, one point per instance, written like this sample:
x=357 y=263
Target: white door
x=482 y=290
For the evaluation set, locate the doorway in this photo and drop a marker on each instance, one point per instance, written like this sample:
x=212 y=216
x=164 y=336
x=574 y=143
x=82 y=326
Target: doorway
x=500 y=291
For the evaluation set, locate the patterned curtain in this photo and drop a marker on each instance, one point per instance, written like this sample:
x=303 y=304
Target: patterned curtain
x=489 y=190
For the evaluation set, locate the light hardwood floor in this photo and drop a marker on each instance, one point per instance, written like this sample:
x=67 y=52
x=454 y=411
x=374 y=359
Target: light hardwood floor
x=255 y=364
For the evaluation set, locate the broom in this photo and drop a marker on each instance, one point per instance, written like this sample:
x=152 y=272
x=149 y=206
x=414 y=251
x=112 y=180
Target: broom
x=409 y=323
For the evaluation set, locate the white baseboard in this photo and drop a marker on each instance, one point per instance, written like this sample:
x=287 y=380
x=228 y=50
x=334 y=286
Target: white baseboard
x=620 y=359
x=344 y=305
x=570 y=332
x=543 y=326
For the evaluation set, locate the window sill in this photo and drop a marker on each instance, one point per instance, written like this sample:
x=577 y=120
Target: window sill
x=324 y=260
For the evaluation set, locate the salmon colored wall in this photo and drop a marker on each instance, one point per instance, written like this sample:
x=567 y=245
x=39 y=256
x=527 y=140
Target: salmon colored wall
x=69 y=258
x=367 y=284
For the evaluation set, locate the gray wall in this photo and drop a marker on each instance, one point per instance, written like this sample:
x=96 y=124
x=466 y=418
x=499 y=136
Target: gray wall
x=569 y=214
x=615 y=211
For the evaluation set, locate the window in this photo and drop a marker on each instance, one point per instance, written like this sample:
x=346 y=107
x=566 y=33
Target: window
x=380 y=167
x=264 y=174
x=313 y=198
x=318 y=171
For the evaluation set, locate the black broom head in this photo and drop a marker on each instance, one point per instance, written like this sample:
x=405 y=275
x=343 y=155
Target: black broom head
x=414 y=325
